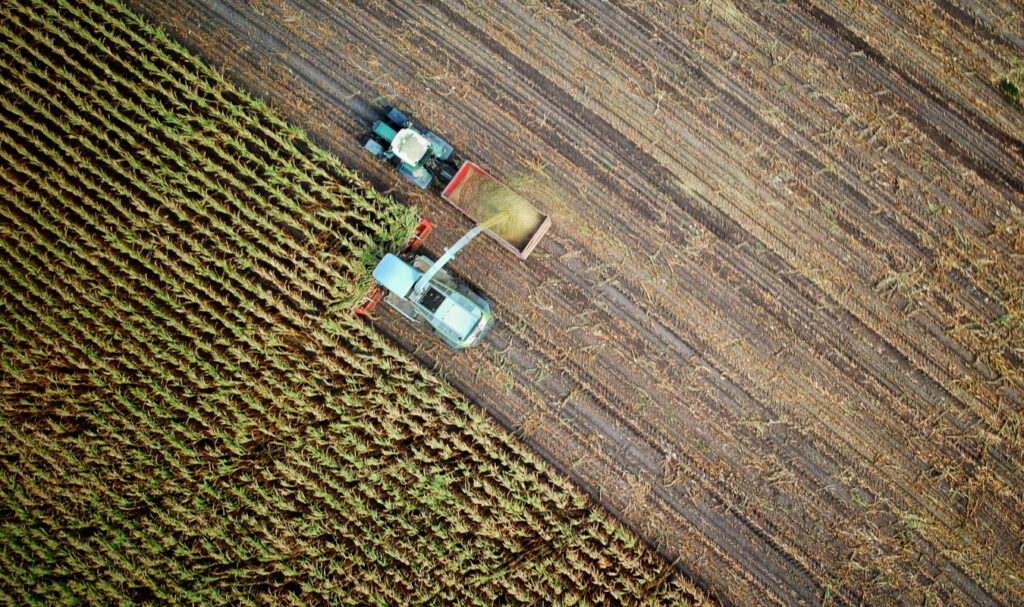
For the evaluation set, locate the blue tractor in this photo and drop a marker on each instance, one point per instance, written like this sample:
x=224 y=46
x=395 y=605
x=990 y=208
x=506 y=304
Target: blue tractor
x=418 y=154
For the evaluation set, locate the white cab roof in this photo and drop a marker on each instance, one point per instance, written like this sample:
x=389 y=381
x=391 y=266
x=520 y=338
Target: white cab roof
x=409 y=146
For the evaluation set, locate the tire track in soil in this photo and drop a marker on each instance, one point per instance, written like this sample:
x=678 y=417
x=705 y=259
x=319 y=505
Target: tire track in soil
x=776 y=265
x=1011 y=144
x=783 y=270
x=647 y=435
x=947 y=114
x=972 y=16
x=646 y=30
x=853 y=322
x=733 y=530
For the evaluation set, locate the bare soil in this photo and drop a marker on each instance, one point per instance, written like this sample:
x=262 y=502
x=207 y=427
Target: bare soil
x=777 y=325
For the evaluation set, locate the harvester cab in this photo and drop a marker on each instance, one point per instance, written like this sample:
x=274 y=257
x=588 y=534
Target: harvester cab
x=418 y=154
x=422 y=289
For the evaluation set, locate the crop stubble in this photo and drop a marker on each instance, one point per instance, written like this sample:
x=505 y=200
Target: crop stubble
x=189 y=412
x=777 y=324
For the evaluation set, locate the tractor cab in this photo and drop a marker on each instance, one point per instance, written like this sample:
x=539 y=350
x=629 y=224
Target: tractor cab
x=409 y=146
x=418 y=154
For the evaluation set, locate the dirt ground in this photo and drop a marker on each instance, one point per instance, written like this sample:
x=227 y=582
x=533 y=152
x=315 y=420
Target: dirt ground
x=778 y=323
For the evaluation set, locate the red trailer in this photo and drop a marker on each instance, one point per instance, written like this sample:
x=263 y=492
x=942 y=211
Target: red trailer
x=482 y=197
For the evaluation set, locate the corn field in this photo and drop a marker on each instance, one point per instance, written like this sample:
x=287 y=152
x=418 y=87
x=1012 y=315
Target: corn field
x=189 y=414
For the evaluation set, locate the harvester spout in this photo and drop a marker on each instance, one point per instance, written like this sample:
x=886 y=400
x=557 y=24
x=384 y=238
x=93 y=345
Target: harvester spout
x=451 y=251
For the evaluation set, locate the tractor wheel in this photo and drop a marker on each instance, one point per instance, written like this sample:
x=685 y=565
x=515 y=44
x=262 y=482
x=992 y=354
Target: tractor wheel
x=372 y=146
x=445 y=173
x=396 y=117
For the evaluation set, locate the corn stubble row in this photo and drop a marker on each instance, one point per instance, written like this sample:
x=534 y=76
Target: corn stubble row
x=188 y=412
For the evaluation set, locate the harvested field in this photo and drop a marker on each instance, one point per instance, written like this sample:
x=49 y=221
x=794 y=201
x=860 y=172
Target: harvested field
x=189 y=412
x=778 y=323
